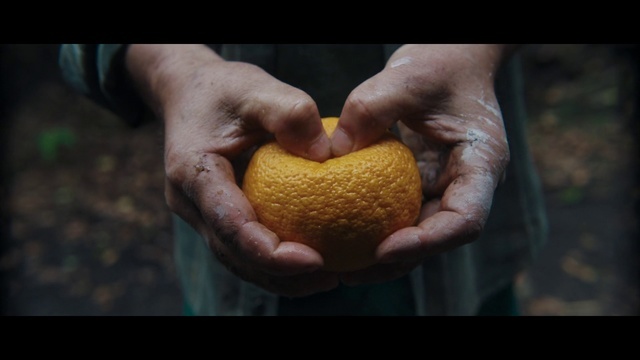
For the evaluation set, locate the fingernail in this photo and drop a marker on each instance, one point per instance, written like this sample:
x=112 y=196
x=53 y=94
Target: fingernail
x=341 y=143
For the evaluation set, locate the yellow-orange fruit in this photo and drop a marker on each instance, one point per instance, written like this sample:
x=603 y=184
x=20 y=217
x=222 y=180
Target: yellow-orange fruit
x=343 y=207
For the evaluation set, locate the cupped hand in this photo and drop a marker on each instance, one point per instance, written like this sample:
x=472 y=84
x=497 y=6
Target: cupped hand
x=215 y=112
x=442 y=97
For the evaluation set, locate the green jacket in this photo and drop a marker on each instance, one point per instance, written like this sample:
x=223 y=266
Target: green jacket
x=454 y=283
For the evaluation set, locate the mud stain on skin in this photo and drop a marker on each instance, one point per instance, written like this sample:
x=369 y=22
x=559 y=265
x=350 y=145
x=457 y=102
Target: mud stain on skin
x=201 y=166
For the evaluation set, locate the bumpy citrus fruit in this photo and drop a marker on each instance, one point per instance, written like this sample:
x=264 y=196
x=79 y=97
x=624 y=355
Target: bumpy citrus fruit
x=343 y=207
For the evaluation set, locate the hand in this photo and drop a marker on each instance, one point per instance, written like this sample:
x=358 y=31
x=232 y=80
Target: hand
x=443 y=96
x=214 y=112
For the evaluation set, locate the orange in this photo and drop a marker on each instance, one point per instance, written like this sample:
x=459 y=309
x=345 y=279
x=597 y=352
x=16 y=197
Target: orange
x=343 y=207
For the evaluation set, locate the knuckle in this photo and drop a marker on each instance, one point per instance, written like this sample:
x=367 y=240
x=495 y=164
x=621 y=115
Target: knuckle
x=296 y=120
x=474 y=227
x=360 y=106
x=302 y=107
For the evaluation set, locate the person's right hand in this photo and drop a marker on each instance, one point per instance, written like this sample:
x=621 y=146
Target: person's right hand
x=215 y=112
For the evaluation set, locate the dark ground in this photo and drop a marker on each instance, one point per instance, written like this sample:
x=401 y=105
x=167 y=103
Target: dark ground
x=86 y=231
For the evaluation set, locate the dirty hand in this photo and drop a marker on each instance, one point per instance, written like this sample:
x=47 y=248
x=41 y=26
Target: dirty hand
x=443 y=99
x=214 y=112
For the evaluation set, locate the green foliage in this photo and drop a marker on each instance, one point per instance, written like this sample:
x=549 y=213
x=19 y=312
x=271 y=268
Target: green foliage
x=50 y=141
x=572 y=195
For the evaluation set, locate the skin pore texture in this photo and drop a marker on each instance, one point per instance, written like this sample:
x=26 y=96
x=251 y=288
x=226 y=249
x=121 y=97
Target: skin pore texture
x=216 y=112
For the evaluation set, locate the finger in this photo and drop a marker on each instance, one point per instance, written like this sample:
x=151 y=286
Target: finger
x=226 y=211
x=366 y=115
x=294 y=120
x=259 y=245
x=447 y=149
x=457 y=220
x=282 y=283
x=431 y=159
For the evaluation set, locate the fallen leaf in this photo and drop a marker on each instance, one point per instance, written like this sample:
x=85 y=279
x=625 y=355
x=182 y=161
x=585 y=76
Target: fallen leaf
x=579 y=270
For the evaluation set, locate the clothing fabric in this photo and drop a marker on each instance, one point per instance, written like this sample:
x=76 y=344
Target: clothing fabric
x=453 y=283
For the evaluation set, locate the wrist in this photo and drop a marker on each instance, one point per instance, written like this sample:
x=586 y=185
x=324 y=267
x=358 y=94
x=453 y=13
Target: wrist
x=465 y=67
x=160 y=71
x=454 y=60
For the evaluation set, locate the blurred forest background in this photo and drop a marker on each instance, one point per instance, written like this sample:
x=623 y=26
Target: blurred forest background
x=85 y=229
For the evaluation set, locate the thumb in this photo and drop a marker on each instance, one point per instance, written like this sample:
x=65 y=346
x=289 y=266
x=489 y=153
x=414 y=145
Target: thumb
x=302 y=134
x=294 y=121
x=367 y=114
x=356 y=132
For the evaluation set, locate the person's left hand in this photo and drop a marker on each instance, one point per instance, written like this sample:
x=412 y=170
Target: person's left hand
x=442 y=97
